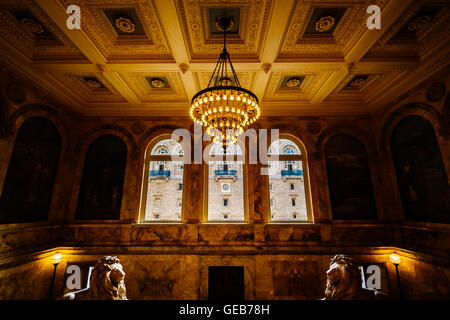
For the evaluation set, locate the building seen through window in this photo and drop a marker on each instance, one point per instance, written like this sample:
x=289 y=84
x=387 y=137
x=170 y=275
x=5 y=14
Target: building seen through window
x=164 y=183
x=225 y=184
x=286 y=182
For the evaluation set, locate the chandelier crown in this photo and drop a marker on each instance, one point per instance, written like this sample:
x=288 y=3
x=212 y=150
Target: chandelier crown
x=224 y=108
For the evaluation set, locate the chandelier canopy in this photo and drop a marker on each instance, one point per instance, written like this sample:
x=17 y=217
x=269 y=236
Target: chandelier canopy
x=224 y=108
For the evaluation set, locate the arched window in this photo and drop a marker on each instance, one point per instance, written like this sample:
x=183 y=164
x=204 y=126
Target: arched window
x=288 y=184
x=163 y=181
x=349 y=179
x=28 y=186
x=421 y=175
x=101 y=186
x=225 y=184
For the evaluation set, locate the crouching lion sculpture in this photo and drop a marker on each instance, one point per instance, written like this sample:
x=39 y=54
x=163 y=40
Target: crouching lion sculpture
x=107 y=282
x=344 y=281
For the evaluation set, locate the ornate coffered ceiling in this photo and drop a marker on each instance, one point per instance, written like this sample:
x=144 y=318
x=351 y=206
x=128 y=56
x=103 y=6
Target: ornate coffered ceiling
x=149 y=57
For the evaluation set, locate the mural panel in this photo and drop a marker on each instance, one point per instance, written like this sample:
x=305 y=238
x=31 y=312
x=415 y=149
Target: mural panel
x=421 y=176
x=31 y=173
x=101 y=187
x=349 y=179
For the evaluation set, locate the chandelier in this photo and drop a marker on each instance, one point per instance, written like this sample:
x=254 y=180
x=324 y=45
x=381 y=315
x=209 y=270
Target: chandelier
x=224 y=108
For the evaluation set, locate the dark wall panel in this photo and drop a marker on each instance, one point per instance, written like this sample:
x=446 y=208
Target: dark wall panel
x=349 y=179
x=31 y=172
x=421 y=176
x=101 y=187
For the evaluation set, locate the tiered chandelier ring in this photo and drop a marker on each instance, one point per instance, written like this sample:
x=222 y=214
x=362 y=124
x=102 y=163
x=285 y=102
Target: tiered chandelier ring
x=224 y=108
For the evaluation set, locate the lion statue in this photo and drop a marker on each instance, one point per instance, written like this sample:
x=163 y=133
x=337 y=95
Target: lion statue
x=107 y=282
x=344 y=281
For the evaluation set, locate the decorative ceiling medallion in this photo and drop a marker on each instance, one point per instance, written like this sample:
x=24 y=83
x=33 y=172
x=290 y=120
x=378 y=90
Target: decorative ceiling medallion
x=435 y=91
x=219 y=26
x=419 y=23
x=125 y=25
x=94 y=84
x=293 y=83
x=325 y=23
x=357 y=83
x=157 y=83
x=32 y=25
x=137 y=127
x=215 y=13
x=314 y=127
x=16 y=93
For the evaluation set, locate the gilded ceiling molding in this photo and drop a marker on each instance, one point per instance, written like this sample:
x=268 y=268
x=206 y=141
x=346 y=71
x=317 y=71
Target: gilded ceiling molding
x=246 y=78
x=435 y=63
x=251 y=32
x=308 y=87
x=142 y=88
x=15 y=34
x=58 y=51
x=112 y=46
x=398 y=24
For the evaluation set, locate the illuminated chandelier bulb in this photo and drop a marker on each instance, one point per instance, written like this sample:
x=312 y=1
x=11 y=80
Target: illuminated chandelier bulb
x=231 y=98
x=233 y=109
x=214 y=110
x=238 y=98
x=220 y=109
x=224 y=97
x=227 y=109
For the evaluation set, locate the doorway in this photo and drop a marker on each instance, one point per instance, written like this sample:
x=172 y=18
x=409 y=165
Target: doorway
x=226 y=283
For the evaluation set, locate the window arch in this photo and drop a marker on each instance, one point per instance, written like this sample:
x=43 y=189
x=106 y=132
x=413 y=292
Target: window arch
x=421 y=175
x=28 y=186
x=163 y=181
x=226 y=184
x=349 y=179
x=101 y=187
x=288 y=181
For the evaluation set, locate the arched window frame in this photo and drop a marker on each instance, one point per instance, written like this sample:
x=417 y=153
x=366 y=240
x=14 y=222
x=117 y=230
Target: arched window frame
x=294 y=157
x=240 y=157
x=148 y=157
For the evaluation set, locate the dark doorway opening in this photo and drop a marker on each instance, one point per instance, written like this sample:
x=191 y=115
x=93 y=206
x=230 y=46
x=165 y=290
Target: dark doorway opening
x=226 y=283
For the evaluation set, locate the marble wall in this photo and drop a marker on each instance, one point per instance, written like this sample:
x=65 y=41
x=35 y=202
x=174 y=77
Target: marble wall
x=170 y=261
x=159 y=274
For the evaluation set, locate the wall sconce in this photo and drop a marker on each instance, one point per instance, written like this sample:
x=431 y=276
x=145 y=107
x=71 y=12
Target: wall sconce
x=396 y=259
x=56 y=259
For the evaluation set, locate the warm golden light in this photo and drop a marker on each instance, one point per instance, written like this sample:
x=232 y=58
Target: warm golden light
x=224 y=107
x=56 y=258
x=395 y=258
